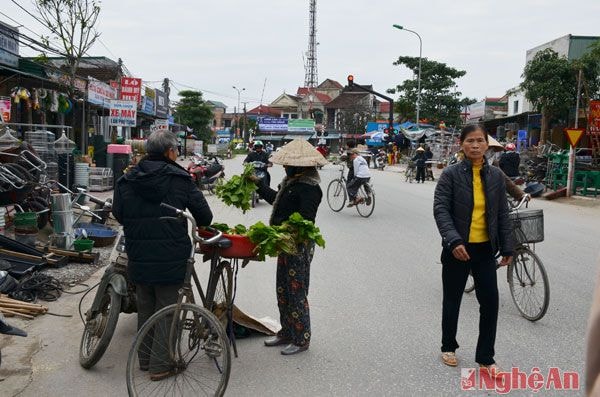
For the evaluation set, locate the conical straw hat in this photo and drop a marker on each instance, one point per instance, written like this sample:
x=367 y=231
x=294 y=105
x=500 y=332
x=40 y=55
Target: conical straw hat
x=494 y=144
x=299 y=153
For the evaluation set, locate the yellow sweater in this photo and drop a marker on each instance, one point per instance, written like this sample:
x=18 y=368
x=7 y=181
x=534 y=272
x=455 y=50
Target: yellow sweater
x=478 y=232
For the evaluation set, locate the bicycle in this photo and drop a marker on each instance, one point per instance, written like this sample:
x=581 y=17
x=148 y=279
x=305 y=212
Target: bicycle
x=337 y=195
x=411 y=171
x=187 y=340
x=526 y=272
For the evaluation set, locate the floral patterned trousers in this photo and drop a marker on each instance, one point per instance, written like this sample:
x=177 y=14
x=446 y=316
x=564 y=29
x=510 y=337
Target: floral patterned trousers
x=293 y=274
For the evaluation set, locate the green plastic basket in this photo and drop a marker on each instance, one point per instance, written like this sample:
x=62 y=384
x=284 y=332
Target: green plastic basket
x=25 y=219
x=83 y=244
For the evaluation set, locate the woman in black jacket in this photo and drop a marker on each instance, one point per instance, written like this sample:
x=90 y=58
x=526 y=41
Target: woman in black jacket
x=298 y=192
x=471 y=214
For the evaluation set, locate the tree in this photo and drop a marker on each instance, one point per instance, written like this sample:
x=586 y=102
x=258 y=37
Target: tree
x=72 y=22
x=192 y=110
x=354 y=118
x=550 y=85
x=590 y=65
x=439 y=99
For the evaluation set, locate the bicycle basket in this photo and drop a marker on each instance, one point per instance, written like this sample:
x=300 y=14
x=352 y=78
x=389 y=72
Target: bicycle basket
x=528 y=226
x=241 y=246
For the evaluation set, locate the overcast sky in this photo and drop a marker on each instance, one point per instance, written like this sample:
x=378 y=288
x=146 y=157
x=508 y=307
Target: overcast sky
x=214 y=45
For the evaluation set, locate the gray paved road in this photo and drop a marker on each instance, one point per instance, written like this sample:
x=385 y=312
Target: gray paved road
x=375 y=299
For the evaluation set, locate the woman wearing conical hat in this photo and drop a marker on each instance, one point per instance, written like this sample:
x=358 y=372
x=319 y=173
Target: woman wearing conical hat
x=300 y=192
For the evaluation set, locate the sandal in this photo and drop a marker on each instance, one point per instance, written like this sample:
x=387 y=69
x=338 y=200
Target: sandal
x=493 y=370
x=449 y=358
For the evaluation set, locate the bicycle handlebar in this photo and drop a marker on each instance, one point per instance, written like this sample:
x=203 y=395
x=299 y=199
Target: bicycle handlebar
x=180 y=213
x=524 y=200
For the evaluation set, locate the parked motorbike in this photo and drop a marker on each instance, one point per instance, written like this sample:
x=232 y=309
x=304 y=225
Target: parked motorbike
x=205 y=174
x=380 y=160
x=260 y=170
x=7 y=329
x=115 y=295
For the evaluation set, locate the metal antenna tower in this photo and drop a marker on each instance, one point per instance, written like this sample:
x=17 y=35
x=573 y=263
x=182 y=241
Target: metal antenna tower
x=310 y=68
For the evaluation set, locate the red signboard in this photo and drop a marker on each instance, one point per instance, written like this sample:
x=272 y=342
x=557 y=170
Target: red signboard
x=594 y=118
x=131 y=89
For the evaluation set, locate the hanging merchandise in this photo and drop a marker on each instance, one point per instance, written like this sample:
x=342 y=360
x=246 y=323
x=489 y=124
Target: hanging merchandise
x=63 y=104
x=35 y=99
x=14 y=93
x=8 y=141
x=54 y=102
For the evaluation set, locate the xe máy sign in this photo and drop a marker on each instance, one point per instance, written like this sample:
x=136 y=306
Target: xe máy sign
x=122 y=113
x=131 y=89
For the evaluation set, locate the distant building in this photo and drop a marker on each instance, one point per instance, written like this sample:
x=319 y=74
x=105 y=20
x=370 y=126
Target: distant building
x=570 y=46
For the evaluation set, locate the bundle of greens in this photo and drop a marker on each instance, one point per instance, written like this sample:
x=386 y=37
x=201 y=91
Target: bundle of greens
x=225 y=228
x=302 y=230
x=270 y=241
x=237 y=191
x=276 y=240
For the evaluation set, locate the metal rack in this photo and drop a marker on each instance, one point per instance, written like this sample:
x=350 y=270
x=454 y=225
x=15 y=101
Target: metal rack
x=101 y=179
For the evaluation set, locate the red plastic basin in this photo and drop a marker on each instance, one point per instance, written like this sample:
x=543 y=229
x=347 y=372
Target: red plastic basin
x=241 y=246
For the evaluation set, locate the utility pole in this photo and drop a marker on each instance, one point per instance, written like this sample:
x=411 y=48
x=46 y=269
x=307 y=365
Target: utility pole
x=571 y=167
x=245 y=125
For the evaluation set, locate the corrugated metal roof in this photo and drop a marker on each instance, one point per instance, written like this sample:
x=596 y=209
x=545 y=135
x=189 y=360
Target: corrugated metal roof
x=579 y=45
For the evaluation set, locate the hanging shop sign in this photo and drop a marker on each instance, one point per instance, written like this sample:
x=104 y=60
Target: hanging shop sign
x=301 y=125
x=148 y=105
x=162 y=104
x=5 y=108
x=9 y=45
x=100 y=93
x=122 y=113
x=594 y=118
x=131 y=89
x=272 y=124
x=160 y=125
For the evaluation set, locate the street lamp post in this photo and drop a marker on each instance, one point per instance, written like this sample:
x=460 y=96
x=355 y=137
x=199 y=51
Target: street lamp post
x=239 y=91
x=419 y=77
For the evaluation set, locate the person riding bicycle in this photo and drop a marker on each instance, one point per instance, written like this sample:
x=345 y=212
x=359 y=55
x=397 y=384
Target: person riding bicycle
x=259 y=154
x=350 y=145
x=362 y=175
x=158 y=250
x=510 y=161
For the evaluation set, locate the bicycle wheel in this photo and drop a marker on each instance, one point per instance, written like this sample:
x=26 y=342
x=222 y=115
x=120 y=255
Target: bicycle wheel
x=366 y=206
x=470 y=286
x=219 y=292
x=528 y=283
x=336 y=195
x=193 y=346
x=99 y=330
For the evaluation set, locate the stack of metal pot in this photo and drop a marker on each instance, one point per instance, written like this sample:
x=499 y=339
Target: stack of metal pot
x=62 y=218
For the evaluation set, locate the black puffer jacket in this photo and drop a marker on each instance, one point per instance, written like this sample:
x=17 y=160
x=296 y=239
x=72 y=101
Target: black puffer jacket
x=453 y=206
x=157 y=249
x=301 y=194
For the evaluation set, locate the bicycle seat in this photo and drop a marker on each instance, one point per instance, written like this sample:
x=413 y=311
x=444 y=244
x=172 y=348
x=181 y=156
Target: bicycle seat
x=224 y=243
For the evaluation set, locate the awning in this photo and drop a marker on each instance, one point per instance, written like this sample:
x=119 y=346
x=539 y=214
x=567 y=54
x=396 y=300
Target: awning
x=292 y=137
x=268 y=138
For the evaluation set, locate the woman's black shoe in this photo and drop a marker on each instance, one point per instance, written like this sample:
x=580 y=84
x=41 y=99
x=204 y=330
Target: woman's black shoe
x=276 y=341
x=293 y=349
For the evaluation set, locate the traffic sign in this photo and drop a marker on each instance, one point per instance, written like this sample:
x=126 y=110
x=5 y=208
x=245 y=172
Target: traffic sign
x=574 y=135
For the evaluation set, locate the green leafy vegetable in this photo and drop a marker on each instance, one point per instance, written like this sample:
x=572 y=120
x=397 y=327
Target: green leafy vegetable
x=222 y=227
x=303 y=230
x=240 y=229
x=270 y=241
x=237 y=191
